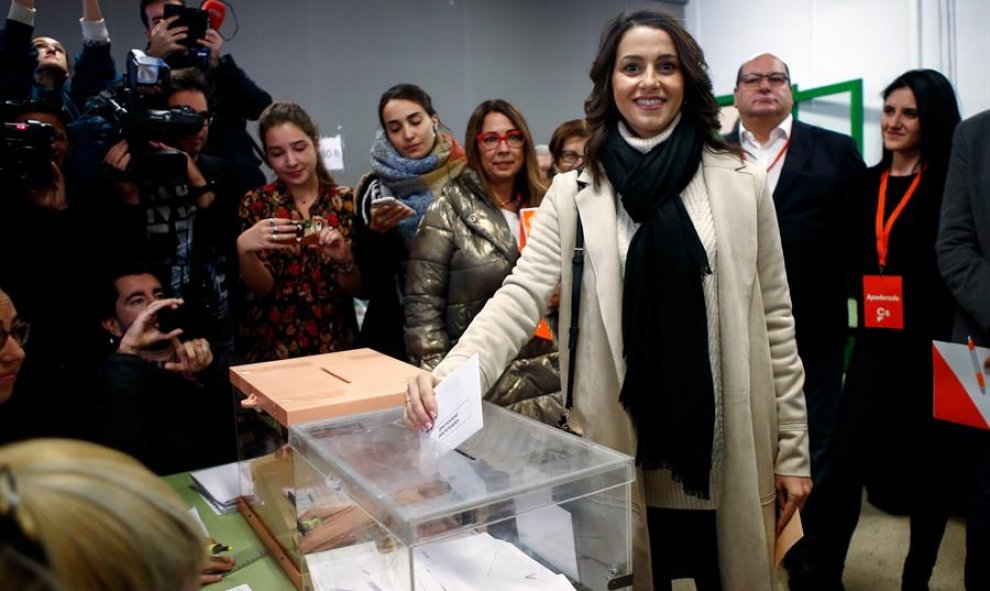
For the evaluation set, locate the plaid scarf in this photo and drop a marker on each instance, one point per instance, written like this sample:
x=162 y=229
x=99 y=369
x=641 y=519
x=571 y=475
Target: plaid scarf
x=416 y=182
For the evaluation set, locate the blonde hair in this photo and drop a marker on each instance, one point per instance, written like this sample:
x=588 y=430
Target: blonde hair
x=75 y=516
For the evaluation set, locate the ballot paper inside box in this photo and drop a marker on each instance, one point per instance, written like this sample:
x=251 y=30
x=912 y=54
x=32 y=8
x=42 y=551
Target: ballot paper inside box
x=517 y=506
x=279 y=394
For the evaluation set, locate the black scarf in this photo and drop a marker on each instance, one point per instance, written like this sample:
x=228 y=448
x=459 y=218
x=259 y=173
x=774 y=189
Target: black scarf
x=668 y=388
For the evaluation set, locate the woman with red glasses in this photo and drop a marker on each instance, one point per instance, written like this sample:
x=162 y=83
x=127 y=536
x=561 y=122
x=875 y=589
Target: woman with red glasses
x=467 y=244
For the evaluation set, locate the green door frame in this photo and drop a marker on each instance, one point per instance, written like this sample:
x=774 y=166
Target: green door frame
x=853 y=87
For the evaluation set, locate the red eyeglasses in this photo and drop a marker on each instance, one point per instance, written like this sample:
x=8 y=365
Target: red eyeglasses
x=489 y=141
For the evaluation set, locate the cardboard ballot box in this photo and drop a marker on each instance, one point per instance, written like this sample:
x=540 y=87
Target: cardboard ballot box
x=519 y=505
x=289 y=392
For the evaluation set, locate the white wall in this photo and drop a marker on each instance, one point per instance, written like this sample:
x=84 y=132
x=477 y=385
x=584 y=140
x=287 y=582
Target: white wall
x=828 y=41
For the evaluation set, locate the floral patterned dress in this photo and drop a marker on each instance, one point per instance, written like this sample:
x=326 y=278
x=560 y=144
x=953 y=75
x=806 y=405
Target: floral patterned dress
x=307 y=312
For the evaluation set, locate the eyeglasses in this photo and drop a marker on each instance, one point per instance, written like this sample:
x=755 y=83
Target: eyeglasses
x=753 y=80
x=20 y=331
x=570 y=157
x=490 y=141
x=207 y=116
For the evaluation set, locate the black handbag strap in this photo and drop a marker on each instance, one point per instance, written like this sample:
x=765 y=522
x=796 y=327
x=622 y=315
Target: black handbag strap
x=577 y=268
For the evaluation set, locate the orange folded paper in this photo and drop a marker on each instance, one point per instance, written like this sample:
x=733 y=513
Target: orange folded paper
x=526 y=215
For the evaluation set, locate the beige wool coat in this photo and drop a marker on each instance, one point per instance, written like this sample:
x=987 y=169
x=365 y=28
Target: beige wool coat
x=762 y=377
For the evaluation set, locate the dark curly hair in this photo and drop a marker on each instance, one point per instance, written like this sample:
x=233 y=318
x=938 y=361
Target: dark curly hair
x=699 y=107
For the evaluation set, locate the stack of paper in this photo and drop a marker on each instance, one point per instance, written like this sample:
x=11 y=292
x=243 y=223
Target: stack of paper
x=219 y=486
x=482 y=562
x=476 y=562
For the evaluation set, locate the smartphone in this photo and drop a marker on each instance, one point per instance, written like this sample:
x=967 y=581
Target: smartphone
x=391 y=202
x=197 y=20
x=169 y=319
x=308 y=232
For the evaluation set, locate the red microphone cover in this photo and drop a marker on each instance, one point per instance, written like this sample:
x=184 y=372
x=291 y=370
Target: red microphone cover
x=216 y=11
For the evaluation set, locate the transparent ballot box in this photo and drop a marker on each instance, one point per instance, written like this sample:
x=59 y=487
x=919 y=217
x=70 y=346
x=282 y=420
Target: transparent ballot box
x=276 y=395
x=518 y=506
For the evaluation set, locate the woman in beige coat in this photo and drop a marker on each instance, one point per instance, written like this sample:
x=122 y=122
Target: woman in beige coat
x=466 y=245
x=686 y=334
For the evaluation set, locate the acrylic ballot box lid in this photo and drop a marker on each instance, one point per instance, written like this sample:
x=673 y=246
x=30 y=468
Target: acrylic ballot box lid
x=317 y=387
x=419 y=492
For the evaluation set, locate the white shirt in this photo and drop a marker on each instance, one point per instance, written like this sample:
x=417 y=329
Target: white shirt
x=763 y=155
x=511 y=218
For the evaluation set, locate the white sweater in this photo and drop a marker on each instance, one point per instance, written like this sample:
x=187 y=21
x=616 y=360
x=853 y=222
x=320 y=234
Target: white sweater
x=661 y=490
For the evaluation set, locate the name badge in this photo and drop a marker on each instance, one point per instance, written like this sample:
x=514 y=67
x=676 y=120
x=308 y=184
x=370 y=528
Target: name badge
x=883 y=303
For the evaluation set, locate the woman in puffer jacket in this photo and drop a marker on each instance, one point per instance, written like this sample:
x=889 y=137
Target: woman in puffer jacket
x=467 y=244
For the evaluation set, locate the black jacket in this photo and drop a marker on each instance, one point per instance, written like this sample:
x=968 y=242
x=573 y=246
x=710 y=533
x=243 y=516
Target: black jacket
x=810 y=211
x=168 y=422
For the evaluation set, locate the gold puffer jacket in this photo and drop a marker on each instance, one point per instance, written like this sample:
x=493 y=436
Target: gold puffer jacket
x=461 y=255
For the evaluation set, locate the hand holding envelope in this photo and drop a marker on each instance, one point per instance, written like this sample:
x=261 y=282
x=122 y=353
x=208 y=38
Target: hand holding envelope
x=451 y=412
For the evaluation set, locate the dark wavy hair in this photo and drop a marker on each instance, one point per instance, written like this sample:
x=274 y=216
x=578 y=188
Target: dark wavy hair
x=699 y=107
x=938 y=114
x=528 y=182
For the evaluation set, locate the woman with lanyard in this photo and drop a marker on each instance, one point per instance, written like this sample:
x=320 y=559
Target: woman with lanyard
x=468 y=242
x=886 y=438
x=413 y=158
x=686 y=355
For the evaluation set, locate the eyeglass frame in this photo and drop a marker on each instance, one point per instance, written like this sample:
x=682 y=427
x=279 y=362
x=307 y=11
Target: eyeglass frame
x=756 y=79
x=18 y=326
x=571 y=157
x=480 y=139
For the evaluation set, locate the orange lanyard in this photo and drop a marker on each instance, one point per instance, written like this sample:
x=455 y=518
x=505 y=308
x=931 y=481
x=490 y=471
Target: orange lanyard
x=883 y=230
x=779 y=155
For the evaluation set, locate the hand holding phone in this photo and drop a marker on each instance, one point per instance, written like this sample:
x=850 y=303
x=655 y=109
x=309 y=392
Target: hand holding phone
x=195 y=20
x=387 y=212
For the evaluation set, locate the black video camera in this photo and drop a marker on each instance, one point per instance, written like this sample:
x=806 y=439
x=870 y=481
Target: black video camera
x=138 y=127
x=126 y=106
x=26 y=155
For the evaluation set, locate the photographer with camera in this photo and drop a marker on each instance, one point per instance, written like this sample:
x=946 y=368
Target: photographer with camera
x=154 y=401
x=173 y=32
x=40 y=67
x=34 y=153
x=176 y=208
x=49 y=241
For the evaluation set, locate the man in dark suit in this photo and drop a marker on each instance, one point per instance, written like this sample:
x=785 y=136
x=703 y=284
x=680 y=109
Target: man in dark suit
x=963 y=250
x=806 y=166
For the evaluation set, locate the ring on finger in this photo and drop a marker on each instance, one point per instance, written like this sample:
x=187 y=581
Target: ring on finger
x=274 y=232
x=271 y=222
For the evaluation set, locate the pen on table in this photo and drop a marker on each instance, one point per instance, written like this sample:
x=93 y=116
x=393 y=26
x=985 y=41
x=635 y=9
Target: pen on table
x=214 y=547
x=976 y=365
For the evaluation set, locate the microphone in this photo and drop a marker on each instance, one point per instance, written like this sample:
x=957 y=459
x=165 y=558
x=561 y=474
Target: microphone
x=216 y=11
